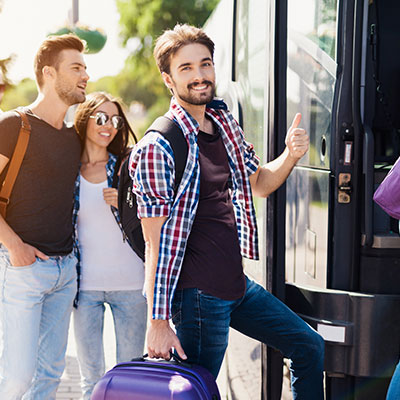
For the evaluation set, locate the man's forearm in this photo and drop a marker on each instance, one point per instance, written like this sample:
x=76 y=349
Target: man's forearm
x=150 y=277
x=151 y=232
x=161 y=339
x=20 y=253
x=7 y=236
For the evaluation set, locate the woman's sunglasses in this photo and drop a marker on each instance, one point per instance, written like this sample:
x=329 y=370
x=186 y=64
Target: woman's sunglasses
x=102 y=118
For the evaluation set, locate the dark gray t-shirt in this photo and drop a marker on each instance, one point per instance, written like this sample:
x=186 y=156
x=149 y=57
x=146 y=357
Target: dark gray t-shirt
x=40 y=209
x=213 y=262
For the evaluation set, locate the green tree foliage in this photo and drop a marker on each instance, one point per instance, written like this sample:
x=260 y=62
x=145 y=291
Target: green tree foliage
x=4 y=66
x=146 y=19
x=142 y=21
x=22 y=94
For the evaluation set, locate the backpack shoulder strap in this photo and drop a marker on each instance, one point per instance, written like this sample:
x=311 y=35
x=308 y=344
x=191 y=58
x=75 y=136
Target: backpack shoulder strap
x=15 y=162
x=173 y=133
x=117 y=167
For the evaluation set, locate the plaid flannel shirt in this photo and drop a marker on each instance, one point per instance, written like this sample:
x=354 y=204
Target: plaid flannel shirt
x=110 y=167
x=152 y=170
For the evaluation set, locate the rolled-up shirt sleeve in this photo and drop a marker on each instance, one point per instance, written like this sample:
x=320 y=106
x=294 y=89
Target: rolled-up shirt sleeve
x=251 y=160
x=151 y=167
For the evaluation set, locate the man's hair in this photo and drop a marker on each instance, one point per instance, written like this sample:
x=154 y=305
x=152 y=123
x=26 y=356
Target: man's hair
x=49 y=52
x=173 y=40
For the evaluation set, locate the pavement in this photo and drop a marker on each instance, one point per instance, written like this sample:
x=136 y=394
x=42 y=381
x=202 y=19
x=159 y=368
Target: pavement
x=69 y=388
x=243 y=373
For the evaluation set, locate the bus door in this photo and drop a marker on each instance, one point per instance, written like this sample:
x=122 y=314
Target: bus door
x=342 y=251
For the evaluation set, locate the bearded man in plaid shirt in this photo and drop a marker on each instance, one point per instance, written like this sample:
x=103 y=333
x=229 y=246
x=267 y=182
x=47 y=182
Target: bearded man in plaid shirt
x=197 y=234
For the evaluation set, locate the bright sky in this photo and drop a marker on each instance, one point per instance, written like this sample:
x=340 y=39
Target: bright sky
x=24 y=24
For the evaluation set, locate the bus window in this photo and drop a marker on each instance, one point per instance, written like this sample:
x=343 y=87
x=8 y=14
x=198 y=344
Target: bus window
x=249 y=76
x=318 y=24
x=311 y=71
x=250 y=59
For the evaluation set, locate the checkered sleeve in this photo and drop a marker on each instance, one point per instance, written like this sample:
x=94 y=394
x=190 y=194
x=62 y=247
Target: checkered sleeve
x=251 y=160
x=152 y=172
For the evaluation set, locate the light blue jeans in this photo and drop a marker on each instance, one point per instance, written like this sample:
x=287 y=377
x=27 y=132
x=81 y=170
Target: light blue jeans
x=35 y=308
x=394 y=388
x=128 y=308
x=202 y=324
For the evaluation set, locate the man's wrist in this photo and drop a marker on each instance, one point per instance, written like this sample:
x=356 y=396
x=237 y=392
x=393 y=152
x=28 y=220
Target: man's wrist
x=292 y=159
x=158 y=322
x=12 y=243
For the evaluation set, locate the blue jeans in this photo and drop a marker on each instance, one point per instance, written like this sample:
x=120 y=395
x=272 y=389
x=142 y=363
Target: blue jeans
x=394 y=387
x=128 y=308
x=35 y=308
x=202 y=324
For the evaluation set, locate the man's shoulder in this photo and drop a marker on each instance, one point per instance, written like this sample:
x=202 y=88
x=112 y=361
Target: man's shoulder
x=150 y=146
x=9 y=120
x=12 y=114
x=10 y=124
x=152 y=139
x=152 y=149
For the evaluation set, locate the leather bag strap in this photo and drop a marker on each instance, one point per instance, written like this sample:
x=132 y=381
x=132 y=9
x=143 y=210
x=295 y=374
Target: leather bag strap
x=15 y=163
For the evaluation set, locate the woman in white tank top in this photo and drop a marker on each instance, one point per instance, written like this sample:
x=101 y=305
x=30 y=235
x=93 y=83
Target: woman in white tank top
x=110 y=271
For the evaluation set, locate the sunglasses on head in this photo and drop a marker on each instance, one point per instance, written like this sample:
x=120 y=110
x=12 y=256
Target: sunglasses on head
x=102 y=118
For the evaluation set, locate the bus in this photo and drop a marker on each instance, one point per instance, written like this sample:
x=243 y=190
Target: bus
x=327 y=250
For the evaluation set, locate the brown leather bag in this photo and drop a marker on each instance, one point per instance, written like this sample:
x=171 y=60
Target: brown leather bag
x=15 y=163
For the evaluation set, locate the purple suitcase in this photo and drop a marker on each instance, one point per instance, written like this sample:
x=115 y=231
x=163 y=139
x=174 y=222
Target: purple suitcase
x=145 y=379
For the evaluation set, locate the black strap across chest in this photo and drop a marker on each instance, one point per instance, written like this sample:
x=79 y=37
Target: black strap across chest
x=172 y=132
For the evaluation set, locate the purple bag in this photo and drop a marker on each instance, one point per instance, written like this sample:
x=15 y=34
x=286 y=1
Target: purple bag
x=388 y=193
x=144 y=379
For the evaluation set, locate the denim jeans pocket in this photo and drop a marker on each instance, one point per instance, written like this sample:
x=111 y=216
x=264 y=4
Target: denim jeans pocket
x=4 y=256
x=206 y=295
x=22 y=267
x=73 y=256
x=177 y=308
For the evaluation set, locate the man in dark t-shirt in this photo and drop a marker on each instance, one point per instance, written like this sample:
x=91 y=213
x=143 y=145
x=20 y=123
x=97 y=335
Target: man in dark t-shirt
x=196 y=237
x=37 y=267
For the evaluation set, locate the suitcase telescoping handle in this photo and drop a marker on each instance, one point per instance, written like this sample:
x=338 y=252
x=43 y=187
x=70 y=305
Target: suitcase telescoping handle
x=173 y=356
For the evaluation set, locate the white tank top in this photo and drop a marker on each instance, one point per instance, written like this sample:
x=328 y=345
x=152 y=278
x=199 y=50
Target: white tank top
x=108 y=263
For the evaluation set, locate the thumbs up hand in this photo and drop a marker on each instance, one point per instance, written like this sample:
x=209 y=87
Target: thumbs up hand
x=297 y=140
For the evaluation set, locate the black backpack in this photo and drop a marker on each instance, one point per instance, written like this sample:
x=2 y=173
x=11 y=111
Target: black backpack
x=127 y=206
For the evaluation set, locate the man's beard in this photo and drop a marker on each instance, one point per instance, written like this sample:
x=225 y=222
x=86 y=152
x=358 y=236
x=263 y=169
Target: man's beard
x=191 y=98
x=67 y=95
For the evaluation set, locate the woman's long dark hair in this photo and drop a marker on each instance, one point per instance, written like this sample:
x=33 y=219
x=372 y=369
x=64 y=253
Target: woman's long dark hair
x=120 y=144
